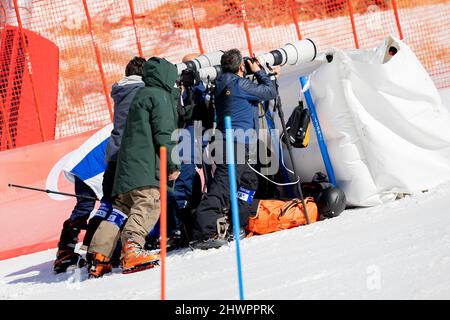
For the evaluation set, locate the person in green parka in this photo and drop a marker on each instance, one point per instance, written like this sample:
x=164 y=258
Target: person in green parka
x=151 y=120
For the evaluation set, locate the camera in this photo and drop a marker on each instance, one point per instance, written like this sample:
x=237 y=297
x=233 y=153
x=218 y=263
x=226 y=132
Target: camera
x=202 y=61
x=189 y=78
x=249 y=71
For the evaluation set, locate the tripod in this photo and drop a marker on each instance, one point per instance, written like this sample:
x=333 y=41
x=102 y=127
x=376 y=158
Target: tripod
x=279 y=109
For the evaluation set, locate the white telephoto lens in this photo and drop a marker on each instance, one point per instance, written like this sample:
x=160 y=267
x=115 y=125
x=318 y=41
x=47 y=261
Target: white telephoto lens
x=300 y=52
x=210 y=73
x=208 y=59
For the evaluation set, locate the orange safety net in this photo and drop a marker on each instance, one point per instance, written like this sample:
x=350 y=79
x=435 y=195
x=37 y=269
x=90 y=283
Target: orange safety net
x=96 y=39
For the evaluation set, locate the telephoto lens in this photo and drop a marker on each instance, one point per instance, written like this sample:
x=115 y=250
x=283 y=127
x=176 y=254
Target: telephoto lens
x=293 y=53
x=202 y=61
x=210 y=73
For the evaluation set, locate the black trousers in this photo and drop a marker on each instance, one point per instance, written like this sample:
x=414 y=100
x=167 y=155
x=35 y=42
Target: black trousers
x=217 y=200
x=108 y=181
x=83 y=206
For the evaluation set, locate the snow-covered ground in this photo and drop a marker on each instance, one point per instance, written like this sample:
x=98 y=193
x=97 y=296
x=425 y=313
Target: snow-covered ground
x=399 y=250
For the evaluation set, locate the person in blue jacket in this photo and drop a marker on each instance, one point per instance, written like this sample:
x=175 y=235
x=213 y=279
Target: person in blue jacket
x=238 y=97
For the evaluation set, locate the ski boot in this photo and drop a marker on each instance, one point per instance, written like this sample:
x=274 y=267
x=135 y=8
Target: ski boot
x=66 y=257
x=134 y=258
x=99 y=265
x=115 y=258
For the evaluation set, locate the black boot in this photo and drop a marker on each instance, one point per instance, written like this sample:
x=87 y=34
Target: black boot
x=242 y=234
x=176 y=240
x=212 y=243
x=66 y=256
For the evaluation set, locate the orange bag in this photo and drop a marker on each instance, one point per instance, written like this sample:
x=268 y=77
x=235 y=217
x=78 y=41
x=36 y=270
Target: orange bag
x=276 y=215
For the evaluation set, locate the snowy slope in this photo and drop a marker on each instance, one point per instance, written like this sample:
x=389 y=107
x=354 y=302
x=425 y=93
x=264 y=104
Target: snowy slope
x=399 y=250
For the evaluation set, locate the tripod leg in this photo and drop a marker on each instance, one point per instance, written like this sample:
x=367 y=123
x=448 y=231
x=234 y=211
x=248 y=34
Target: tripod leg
x=291 y=156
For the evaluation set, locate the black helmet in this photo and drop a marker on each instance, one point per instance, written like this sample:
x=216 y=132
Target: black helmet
x=331 y=202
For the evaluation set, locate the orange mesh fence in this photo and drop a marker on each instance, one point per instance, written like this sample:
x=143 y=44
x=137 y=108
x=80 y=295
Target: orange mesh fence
x=95 y=40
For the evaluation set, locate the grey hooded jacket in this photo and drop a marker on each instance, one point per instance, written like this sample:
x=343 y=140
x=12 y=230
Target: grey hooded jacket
x=123 y=94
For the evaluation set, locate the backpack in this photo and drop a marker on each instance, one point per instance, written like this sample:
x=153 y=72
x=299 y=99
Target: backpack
x=298 y=126
x=276 y=215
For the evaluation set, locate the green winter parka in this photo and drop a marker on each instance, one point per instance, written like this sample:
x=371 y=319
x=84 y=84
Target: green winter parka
x=151 y=119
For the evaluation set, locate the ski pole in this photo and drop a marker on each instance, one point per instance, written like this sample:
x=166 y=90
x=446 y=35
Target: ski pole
x=163 y=217
x=51 y=191
x=234 y=199
x=318 y=130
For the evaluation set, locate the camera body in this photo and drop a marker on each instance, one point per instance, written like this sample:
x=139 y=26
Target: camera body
x=248 y=70
x=189 y=78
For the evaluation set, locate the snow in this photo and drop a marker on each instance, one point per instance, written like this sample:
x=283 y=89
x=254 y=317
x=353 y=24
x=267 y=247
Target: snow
x=399 y=250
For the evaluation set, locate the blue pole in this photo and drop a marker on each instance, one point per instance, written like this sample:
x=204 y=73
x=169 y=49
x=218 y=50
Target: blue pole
x=320 y=139
x=234 y=199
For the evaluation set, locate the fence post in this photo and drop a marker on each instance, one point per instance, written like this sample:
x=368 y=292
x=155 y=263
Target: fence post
x=133 y=19
x=292 y=8
x=99 y=60
x=352 y=20
x=29 y=68
x=197 y=30
x=397 y=19
x=247 y=32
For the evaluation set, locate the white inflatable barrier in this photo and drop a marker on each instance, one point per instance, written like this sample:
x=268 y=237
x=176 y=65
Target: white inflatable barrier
x=384 y=124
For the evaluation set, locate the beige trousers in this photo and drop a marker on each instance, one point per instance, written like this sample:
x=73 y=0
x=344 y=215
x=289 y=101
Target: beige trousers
x=141 y=206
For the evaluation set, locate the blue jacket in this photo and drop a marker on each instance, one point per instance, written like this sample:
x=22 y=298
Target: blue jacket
x=122 y=93
x=238 y=97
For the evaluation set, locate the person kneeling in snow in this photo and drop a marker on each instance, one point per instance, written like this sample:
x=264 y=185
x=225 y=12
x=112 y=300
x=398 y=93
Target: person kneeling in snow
x=151 y=120
x=93 y=166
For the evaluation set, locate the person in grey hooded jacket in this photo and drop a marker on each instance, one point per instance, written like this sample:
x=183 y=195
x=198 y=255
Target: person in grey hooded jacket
x=123 y=93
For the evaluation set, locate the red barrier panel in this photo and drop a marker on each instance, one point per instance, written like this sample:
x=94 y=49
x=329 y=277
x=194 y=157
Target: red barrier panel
x=30 y=220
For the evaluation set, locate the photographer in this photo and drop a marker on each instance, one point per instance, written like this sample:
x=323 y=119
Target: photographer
x=237 y=97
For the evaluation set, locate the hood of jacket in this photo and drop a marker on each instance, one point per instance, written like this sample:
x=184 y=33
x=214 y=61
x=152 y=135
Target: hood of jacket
x=125 y=86
x=160 y=73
